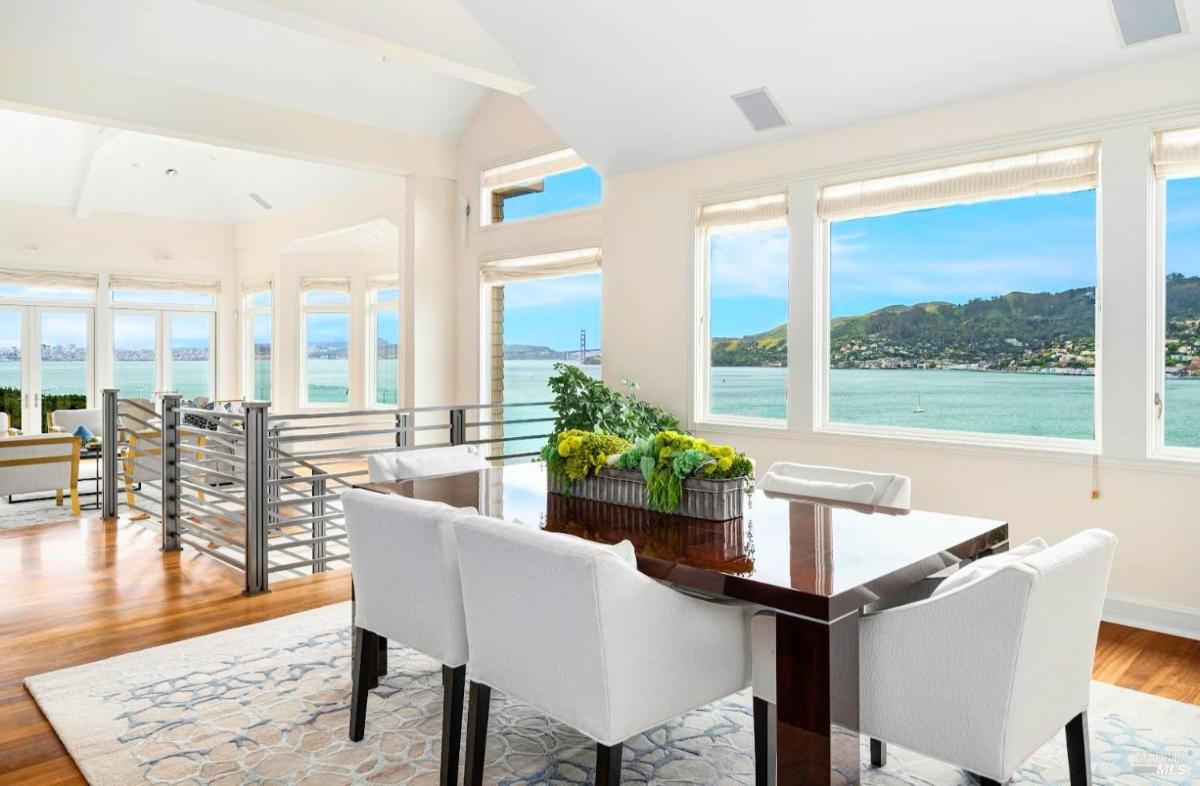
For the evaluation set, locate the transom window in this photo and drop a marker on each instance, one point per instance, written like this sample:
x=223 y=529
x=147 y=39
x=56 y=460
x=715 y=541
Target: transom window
x=538 y=186
x=964 y=299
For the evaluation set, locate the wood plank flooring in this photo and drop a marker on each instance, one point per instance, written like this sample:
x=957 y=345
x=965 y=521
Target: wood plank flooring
x=77 y=592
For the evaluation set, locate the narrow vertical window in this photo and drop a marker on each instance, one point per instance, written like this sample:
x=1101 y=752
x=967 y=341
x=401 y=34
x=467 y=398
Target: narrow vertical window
x=383 y=340
x=325 y=326
x=257 y=340
x=745 y=252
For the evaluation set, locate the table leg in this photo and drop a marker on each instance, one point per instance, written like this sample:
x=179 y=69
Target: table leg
x=816 y=672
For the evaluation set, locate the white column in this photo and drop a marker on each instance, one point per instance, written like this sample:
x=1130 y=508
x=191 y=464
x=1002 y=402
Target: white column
x=1125 y=385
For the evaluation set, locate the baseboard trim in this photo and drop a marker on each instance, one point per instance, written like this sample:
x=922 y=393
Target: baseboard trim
x=1152 y=615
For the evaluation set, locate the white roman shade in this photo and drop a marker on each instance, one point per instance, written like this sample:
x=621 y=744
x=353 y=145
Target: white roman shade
x=253 y=286
x=1177 y=153
x=152 y=284
x=532 y=169
x=1049 y=172
x=559 y=263
x=764 y=212
x=324 y=284
x=383 y=280
x=49 y=279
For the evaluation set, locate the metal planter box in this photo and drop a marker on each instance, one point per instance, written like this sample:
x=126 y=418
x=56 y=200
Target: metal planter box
x=713 y=500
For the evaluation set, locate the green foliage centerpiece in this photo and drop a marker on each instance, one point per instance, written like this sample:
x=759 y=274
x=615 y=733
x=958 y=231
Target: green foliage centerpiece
x=612 y=447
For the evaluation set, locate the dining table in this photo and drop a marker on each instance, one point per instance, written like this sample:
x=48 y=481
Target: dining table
x=817 y=565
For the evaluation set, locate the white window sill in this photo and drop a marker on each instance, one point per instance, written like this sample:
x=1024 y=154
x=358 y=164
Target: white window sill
x=578 y=211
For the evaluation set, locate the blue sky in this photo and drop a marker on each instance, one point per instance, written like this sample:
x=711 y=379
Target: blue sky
x=566 y=191
x=1183 y=226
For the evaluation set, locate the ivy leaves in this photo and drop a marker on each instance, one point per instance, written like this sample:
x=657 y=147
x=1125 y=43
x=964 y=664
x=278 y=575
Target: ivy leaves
x=587 y=404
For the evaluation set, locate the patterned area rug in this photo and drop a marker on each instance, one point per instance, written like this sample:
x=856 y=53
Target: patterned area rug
x=267 y=704
x=19 y=515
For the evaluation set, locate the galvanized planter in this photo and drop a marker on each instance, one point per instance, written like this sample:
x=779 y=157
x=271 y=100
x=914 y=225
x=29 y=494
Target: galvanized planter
x=713 y=500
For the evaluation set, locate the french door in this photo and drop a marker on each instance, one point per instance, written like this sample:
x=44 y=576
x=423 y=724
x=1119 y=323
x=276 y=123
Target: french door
x=47 y=363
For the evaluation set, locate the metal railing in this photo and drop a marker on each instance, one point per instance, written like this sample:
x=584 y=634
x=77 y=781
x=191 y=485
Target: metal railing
x=260 y=491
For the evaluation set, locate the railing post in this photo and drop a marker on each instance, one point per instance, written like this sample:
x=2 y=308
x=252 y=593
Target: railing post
x=170 y=471
x=402 y=433
x=256 y=496
x=109 y=445
x=319 y=551
x=458 y=426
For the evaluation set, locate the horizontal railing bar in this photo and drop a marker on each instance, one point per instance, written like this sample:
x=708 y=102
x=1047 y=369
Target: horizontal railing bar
x=292 y=544
x=215 y=534
x=309 y=563
x=216 y=513
x=211 y=413
x=228 y=560
x=211 y=438
x=126 y=416
x=408 y=410
x=207 y=471
x=214 y=455
x=295 y=520
x=509 y=422
x=156 y=499
x=292 y=502
x=128 y=402
x=493 y=440
x=503 y=456
x=210 y=491
x=312 y=454
x=309 y=478
x=349 y=434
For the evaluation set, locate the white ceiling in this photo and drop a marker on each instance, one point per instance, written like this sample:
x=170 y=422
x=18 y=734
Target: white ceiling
x=50 y=161
x=631 y=83
x=374 y=236
x=204 y=46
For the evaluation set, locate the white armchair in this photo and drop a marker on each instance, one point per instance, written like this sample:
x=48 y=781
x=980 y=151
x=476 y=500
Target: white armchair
x=992 y=665
x=406 y=588
x=40 y=462
x=879 y=489
x=424 y=462
x=574 y=629
x=67 y=420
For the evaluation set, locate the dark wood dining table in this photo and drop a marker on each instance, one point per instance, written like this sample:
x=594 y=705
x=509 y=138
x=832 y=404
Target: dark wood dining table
x=816 y=564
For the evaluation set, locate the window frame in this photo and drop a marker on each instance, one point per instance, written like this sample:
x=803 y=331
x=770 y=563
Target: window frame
x=371 y=358
x=702 y=360
x=486 y=211
x=162 y=314
x=249 y=360
x=307 y=308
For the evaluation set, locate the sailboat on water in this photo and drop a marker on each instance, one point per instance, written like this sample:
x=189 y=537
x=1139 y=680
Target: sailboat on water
x=918 y=409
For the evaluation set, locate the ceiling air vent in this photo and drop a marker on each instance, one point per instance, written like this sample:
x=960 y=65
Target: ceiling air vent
x=1140 y=21
x=258 y=200
x=759 y=109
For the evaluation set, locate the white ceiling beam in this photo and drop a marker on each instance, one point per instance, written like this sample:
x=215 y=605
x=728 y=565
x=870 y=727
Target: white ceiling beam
x=442 y=50
x=43 y=84
x=89 y=182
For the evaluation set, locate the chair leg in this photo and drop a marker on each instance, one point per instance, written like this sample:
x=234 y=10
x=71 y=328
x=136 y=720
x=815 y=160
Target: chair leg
x=365 y=660
x=453 y=679
x=1079 y=754
x=382 y=669
x=608 y=764
x=764 y=742
x=988 y=781
x=878 y=753
x=478 y=703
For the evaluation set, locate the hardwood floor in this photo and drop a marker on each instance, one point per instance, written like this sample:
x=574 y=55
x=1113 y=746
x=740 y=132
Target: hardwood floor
x=76 y=592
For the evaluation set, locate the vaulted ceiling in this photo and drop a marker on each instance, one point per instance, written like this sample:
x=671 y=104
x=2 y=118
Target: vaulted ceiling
x=631 y=83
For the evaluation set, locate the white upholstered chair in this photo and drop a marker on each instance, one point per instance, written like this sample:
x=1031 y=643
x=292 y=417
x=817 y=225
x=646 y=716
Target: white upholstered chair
x=67 y=420
x=6 y=429
x=992 y=665
x=424 y=462
x=40 y=462
x=879 y=489
x=574 y=629
x=406 y=588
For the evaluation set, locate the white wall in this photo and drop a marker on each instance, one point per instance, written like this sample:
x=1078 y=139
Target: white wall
x=122 y=243
x=649 y=246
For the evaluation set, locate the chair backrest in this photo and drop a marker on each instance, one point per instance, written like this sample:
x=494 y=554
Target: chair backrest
x=424 y=462
x=67 y=420
x=39 y=462
x=1053 y=668
x=405 y=567
x=534 y=604
x=881 y=489
x=5 y=424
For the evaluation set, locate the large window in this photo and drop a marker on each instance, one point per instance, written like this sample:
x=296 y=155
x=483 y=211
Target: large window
x=164 y=334
x=538 y=186
x=544 y=310
x=383 y=341
x=1177 y=161
x=325 y=326
x=257 y=341
x=745 y=248
x=964 y=299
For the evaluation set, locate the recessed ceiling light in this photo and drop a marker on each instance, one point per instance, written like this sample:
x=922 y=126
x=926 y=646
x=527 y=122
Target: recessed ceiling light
x=171 y=172
x=759 y=109
x=1139 y=21
x=264 y=204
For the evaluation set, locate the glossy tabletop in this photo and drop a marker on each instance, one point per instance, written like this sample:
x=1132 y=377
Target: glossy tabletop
x=815 y=559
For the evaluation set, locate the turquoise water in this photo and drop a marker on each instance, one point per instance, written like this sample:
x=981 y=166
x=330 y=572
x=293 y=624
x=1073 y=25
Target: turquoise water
x=133 y=377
